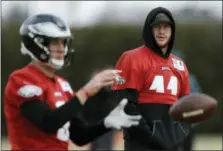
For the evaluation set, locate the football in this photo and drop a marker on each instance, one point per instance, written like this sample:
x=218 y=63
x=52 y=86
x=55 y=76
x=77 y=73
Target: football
x=193 y=108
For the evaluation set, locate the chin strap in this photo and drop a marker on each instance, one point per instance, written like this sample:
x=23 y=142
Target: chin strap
x=57 y=64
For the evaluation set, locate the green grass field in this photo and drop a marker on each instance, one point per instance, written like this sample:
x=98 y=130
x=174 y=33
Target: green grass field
x=202 y=142
x=208 y=142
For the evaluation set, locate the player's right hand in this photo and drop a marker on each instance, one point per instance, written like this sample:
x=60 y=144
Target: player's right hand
x=102 y=79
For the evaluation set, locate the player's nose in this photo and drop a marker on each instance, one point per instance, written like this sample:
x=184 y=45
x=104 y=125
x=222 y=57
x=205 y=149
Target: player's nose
x=61 y=46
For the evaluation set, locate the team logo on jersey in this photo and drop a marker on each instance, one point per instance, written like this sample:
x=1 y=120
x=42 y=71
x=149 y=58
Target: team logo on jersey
x=119 y=80
x=29 y=91
x=178 y=64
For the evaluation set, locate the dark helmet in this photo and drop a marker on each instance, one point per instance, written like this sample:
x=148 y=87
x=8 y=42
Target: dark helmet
x=36 y=33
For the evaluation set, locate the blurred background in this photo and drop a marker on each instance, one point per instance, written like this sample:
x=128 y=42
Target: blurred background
x=103 y=30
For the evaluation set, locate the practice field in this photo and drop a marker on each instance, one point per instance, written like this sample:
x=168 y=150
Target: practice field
x=202 y=142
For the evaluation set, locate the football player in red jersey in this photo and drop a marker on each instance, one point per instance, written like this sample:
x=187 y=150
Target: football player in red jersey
x=40 y=107
x=153 y=79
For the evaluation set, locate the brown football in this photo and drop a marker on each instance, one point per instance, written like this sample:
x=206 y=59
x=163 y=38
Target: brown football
x=193 y=108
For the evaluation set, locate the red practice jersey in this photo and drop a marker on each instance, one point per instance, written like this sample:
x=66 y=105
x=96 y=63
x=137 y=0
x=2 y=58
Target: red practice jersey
x=157 y=80
x=27 y=84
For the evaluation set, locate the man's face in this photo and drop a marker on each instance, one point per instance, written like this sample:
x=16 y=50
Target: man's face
x=162 y=33
x=57 y=49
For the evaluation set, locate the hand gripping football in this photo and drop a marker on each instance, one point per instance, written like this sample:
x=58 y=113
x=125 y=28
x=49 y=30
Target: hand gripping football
x=193 y=108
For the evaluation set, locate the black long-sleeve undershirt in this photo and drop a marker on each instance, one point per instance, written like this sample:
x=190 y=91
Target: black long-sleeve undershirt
x=82 y=133
x=50 y=120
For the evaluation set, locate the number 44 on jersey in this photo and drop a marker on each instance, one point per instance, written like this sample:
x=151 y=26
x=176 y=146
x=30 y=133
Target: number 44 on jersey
x=159 y=87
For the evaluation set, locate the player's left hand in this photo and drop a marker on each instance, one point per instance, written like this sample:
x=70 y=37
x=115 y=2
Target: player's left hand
x=118 y=119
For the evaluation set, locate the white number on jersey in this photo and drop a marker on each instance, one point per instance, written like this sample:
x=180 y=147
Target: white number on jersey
x=172 y=86
x=63 y=133
x=158 y=84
